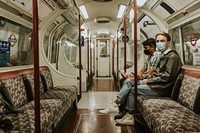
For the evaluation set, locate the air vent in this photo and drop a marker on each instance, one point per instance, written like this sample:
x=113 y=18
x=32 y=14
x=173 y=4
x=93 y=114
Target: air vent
x=15 y=11
x=167 y=7
x=62 y=3
x=180 y=15
x=102 y=0
x=102 y=20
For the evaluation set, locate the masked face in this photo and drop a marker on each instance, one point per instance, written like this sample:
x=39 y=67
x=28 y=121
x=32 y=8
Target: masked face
x=160 y=46
x=161 y=43
x=147 y=52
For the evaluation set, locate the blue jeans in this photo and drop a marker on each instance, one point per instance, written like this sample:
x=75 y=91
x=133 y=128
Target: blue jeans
x=127 y=92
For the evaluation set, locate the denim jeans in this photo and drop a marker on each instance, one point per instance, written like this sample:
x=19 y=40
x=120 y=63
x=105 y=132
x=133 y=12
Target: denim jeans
x=127 y=92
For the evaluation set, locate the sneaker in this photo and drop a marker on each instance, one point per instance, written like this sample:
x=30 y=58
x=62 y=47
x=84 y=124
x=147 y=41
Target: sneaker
x=120 y=115
x=112 y=109
x=128 y=119
x=108 y=110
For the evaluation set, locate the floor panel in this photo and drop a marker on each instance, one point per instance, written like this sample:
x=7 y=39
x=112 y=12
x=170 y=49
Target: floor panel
x=88 y=119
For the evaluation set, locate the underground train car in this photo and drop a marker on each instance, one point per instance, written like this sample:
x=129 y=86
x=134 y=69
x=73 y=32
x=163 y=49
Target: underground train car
x=94 y=66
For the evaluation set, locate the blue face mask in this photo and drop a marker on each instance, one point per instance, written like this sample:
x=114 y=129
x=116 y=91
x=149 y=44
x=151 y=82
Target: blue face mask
x=160 y=46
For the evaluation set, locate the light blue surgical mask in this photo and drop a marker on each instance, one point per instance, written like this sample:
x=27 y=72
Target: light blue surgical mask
x=160 y=46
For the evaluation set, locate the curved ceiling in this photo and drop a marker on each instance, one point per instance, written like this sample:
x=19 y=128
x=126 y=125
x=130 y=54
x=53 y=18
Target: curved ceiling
x=165 y=13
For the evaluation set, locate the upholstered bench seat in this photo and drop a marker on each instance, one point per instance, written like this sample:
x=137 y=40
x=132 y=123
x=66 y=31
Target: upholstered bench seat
x=180 y=112
x=17 y=94
x=49 y=113
x=168 y=116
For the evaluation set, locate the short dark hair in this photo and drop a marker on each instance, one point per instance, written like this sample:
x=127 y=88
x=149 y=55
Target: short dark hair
x=164 y=34
x=149 y=42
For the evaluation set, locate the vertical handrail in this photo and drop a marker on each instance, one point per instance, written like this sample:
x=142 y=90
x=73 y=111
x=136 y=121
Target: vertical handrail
x=80 y=57
x=135 y=56
x=125 y=43
x=117 y=55
x=113 y=62
x=88 y=56
x=36 y=66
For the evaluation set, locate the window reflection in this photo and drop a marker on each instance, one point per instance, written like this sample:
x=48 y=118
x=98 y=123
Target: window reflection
x=191 y=46
x=103 y=47
x=19 y=39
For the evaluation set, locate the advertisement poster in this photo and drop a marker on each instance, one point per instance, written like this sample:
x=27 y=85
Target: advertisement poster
x=4 y=53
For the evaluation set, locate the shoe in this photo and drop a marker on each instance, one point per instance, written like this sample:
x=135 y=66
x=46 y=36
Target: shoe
x=128 y=119
x=118 y=103
x=112 y=109
x=120 y=115
x=108 y=110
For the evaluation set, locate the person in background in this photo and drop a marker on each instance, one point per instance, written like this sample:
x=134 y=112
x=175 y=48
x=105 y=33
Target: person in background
x=159 y=83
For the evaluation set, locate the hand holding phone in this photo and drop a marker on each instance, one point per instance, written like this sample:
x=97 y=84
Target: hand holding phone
x=122 y=74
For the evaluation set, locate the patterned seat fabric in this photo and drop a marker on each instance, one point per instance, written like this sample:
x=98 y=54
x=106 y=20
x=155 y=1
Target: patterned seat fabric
x=180 y=113
x=66 y=93
x=3 y=109
x=189 y=94
x=47 y=78
x=30 y=78
x=19 y=88
x=168 y=116
x=17 y=91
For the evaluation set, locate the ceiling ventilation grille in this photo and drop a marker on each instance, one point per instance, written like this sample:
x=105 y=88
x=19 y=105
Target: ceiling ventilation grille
x=102 y=0
x=180 y=15
x=102 y=20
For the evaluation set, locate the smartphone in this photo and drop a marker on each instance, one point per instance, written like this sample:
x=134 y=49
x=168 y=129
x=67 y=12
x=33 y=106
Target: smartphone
x=122 y=74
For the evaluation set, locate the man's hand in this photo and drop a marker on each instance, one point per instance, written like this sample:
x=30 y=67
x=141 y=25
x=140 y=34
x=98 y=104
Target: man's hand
x=130 y=76
x=144 y=81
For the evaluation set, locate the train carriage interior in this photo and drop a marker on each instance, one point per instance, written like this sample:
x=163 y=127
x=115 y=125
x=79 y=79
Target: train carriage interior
x=60 y=64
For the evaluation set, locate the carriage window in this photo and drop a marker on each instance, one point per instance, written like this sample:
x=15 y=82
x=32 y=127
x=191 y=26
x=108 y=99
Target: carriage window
x=73 y=54
x=175 y=40
x=103 y=47
x=70 y=51
x=15 y=43
x=191 y=40
x=67 y=47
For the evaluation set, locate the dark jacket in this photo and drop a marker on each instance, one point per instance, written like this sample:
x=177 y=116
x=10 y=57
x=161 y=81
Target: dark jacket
x=163 y=79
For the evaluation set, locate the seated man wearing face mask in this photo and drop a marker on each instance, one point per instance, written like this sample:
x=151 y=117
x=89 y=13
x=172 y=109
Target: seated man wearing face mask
x=151 y=62
x=159 y=83
x=149 y=66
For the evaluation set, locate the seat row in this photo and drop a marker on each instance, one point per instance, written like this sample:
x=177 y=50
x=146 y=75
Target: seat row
x=180 y=112
x=17 y=100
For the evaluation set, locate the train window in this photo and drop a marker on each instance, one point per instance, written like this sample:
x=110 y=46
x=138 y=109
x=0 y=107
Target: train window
x=70 y=51
x=191 y=42
x=175 y=40
x=19 y=43
x=67 y=47
x=73 y=54
x=47 y=42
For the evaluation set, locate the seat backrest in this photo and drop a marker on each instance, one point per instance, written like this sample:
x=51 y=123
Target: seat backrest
x=12 y=82
x=46 y=77
x=189 y=94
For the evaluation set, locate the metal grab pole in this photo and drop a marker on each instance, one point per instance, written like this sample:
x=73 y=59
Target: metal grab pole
x=117 y=55
x=113 y=62
x=125 y=43
x=88 y=56
x=80 y=60
x=36 y=66
x=135 y=56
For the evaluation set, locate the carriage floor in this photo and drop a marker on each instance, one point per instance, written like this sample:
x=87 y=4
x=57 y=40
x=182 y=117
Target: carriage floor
x=88 y=119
